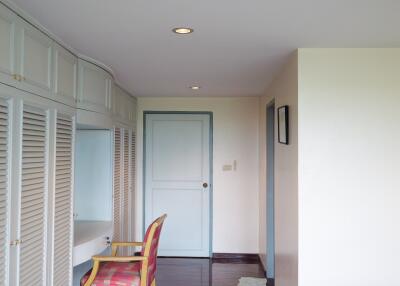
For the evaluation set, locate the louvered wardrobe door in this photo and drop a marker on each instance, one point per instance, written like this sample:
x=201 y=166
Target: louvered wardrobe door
x=33 y=197
x=133 y=183
x=62 y=266
x=3 y=190
x=117 y=185
x=125 y=197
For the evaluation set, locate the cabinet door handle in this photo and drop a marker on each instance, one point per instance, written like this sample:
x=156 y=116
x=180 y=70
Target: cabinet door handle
x=16 y=242
x=18 y=77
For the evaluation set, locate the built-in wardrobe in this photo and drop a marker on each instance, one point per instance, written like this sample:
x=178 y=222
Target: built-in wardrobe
x=54 y=102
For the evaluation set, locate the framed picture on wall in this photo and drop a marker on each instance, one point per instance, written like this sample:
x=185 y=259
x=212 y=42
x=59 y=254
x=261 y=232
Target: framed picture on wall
x=283 y=124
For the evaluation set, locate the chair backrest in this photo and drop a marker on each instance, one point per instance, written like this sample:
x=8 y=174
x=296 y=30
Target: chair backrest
x=150 y=249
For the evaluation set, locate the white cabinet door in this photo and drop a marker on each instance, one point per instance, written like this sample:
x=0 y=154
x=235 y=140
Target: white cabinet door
x=117 y=233
x=33 y=202
x=63 y=220
x=94 y=88
x=25 y=55
x=65 y=75
x=133 y=184
x=124 y=172
x=7 y=49
x=34 y=59
x=119 y=104
x=124 y=106
x=4 y=191
x=125 y=204
x=132 y=110
x=116 y=94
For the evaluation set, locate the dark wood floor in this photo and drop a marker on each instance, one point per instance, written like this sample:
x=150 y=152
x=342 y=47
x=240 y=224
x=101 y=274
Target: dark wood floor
x=202 y=272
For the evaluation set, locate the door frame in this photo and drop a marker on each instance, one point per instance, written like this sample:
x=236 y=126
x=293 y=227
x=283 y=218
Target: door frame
x=211 y=182
x=270 y=189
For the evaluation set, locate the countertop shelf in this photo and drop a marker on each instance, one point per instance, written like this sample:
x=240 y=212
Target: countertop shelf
x=90 y=238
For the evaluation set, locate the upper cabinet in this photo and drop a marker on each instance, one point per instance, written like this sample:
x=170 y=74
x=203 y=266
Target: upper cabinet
x=7 y=43
x=25 y=55
x=34 y=57
x=132 y=112
x=32 y=61
x=65 y=67
x=123 y=105
x=94 y=88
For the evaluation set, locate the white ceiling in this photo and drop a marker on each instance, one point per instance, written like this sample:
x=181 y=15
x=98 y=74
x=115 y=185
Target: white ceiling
x=237 y=47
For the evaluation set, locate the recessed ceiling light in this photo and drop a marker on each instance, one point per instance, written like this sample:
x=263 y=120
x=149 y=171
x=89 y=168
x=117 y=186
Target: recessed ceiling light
x=195 y=87
x=183 y=30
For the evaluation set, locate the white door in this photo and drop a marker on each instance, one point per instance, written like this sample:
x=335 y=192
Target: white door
x=177 y=181
x=4 y=190
x=33 y=197
x=123 y=193
x=63 y=201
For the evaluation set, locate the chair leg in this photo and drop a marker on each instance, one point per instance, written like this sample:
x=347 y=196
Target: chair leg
x=154 y=282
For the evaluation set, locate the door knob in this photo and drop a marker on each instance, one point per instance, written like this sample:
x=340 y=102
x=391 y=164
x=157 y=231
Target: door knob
x=205 y=185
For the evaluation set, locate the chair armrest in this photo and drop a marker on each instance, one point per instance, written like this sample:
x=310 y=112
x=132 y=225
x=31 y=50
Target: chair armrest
x=115 y=245
x=118 y=258
x=127 y=243
x=97 y=259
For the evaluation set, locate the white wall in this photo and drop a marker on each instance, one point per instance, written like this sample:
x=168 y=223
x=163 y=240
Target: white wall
x=349 y=167
x=284 y=91
x=235 y=194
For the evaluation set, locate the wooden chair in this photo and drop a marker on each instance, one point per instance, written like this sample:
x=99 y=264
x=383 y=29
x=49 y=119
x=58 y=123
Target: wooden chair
x=128 y=270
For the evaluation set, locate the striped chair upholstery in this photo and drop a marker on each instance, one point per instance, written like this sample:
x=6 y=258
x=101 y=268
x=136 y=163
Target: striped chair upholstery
x=116 y=274
x=135 y=273
x=152 y=263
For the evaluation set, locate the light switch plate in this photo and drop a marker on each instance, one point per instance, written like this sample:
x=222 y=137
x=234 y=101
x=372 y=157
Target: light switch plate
x=227 y=168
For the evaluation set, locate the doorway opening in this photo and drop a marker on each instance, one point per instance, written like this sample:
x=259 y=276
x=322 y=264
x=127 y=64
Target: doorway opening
x=270 y=191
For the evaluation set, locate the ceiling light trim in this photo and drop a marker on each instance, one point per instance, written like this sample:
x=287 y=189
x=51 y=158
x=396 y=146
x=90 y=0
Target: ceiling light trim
x=183 y=30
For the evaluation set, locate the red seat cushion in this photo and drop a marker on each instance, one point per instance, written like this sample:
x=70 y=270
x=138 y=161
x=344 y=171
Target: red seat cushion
x=116 y=274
